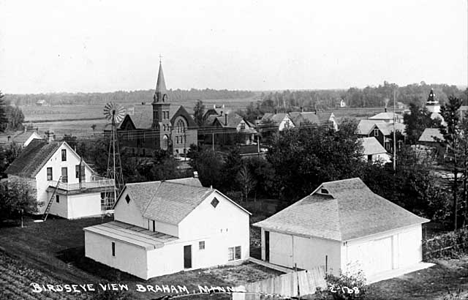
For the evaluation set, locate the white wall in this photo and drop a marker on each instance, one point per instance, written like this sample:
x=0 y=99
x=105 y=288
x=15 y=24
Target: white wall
x=129 y=212
x=305 y=252
x=128 y=258
x=222 y=227
x=284 y=123
x=56 y=163
x=84 y=205
x=383 y=252
x=61 y=208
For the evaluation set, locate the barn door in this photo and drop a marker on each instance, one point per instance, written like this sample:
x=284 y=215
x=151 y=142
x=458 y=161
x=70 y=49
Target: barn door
x=188 y=257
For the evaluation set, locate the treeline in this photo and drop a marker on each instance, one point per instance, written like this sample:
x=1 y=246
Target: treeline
x=123 y=96
x=355 y=97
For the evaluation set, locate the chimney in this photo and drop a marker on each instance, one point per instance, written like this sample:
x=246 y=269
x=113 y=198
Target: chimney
x=385 y=109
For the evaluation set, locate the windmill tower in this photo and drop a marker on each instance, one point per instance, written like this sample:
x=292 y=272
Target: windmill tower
x=115 y=114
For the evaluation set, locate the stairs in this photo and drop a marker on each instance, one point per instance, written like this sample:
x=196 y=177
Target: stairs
x=51 y=200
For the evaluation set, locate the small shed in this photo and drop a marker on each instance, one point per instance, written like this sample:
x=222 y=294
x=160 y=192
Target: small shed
x=344 y=226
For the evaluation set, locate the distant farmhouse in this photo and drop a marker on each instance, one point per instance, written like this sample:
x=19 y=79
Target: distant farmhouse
x=344 y=226
x=172 y=128
x=59 y=176
x=164 y=227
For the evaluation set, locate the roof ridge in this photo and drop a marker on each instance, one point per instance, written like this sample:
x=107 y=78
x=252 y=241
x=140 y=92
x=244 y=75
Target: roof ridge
x=151 y=200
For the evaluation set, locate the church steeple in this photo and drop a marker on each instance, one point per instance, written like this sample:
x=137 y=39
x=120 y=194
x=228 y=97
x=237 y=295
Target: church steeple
x=160 y=95
x=432 y=103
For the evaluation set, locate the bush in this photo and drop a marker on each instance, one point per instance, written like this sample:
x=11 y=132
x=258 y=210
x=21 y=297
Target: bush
x=451 y=244
x=346 y=286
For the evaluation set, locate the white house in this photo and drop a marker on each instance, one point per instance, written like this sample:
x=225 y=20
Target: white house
x=373 y=151
x=165 y=227
x=344 y=225
x=55 y=170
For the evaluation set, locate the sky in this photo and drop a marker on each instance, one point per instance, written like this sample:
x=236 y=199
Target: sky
x=111 y=45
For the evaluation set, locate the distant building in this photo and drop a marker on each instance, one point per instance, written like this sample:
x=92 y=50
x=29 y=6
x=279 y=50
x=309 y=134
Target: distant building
x=227 y=128
x=42 y=102
x=373 y=151
x=381 y=130
x=433 y=106
x=342 y=103
x=171 y=127
x=388 y=117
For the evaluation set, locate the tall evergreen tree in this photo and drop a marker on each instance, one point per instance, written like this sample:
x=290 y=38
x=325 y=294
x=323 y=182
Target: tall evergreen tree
x=3 y=117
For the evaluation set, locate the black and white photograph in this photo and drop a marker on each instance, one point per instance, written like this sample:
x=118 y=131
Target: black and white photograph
x=234 y=150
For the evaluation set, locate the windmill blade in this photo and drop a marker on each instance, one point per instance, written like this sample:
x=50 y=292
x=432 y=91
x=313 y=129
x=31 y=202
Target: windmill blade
x=114 y=112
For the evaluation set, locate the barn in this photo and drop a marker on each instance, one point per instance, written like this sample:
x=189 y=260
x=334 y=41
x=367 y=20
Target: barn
x=344 y=226
x=164 y=227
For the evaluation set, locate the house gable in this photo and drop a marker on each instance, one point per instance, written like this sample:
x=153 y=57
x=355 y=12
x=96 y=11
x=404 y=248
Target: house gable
x=127 y=210
x=181 y=112
x=127 y=123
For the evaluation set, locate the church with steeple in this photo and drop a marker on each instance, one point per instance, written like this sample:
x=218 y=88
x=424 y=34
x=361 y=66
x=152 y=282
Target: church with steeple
x=171 y=127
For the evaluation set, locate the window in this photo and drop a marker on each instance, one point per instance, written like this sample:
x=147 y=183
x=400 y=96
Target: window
x=77 y=171
x=127 y=198
x=234 y=253
x=201 y=245
x=376 y=132
x=49 y=174
x=113 y=249
x=64 y=175
x=154 y=225
x=215 y=202
x=57 y=198
x=64 y=154
x=242 y=126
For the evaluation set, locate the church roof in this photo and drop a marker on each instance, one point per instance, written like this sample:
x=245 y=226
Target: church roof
x=161 y=90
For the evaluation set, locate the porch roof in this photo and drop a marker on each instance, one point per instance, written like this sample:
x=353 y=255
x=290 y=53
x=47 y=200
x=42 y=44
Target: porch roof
x=132 y=234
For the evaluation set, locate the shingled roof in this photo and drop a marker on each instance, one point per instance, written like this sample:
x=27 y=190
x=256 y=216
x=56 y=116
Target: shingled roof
x=372 y=146
x=168 y=201
x=341 y=210
x=33 y=158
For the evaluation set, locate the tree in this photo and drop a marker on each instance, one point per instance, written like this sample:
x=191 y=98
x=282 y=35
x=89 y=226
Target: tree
x=418 y=119
x=16 y=197
x=3 y=117
x=246 y=181
x=305 y=157
x=199 y=113
x=208 y=164
x=453 y=140
x=15 y=118
x=230 y=168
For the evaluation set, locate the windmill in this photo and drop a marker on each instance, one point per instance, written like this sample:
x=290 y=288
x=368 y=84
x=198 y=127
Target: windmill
x=115 y=114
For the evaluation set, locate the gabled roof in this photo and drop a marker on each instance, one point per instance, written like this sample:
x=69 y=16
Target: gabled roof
x=33 y=158
x=429 y=135
x=233 y=120
x=22 y=137
x=143 y=116
x=275 y=118
x=372 y=146
x=168 y=201
x=365 y=126
x=386 y=116
x=346 y=210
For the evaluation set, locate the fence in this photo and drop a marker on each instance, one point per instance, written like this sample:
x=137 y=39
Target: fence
x=290 y=285
x=449 y=244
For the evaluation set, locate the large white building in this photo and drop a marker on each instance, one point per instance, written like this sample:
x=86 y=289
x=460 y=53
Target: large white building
x=57 y=173
x=344 y=226
x=170 y=226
